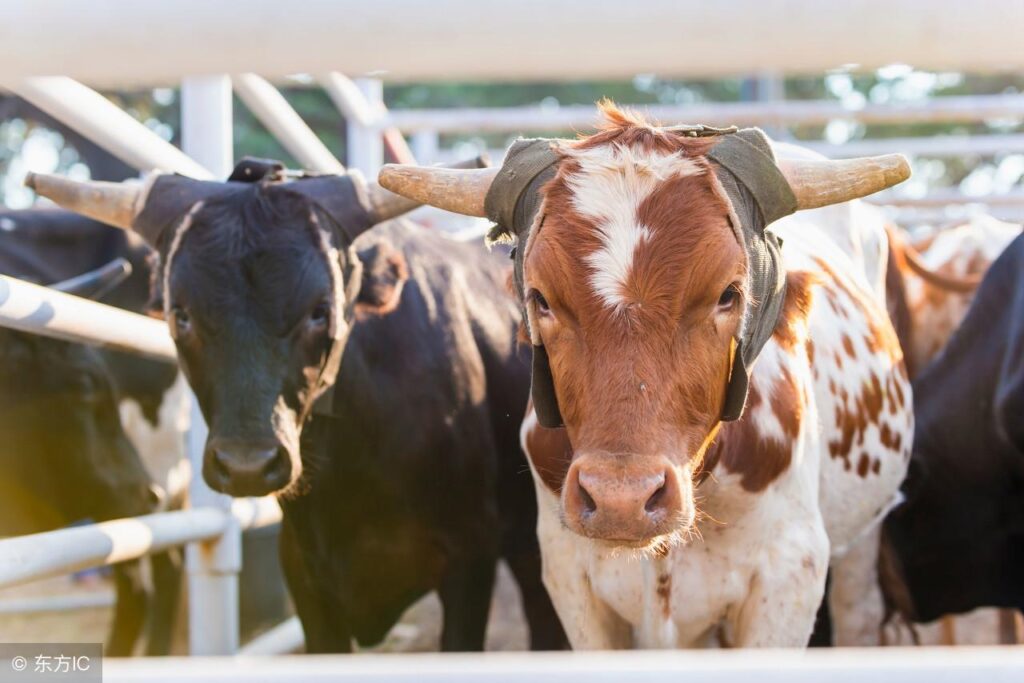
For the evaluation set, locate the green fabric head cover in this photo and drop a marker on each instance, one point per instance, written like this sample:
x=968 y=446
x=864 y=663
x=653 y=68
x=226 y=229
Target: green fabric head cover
x=758 y=193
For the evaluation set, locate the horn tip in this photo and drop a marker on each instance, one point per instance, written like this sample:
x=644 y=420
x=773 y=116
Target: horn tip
x=388 y=176
x=30 y=180
x=483 y=160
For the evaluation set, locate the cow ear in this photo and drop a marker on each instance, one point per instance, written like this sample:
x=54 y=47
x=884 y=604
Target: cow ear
x=384 y=274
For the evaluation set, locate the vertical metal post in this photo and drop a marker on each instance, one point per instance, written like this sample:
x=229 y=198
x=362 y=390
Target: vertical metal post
x=426 y=146
x=206 y=121
x=365 y=145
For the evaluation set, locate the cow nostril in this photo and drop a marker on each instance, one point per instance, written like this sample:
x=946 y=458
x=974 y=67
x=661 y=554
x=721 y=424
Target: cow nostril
x=588 y=504
x=657 y=498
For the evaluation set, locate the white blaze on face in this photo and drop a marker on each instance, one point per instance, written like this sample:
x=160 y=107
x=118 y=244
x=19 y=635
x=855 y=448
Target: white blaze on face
x=609 y=187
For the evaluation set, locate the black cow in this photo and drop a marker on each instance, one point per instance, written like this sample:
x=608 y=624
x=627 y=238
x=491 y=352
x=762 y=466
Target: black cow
x=959 y=537
x=65 y=458
x=44 y=245
x=409 y=477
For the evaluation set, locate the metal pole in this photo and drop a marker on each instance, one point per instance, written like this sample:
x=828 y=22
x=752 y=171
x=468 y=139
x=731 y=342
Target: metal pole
x=213 y=566
x=103 y=122
x=269 y=106
x=365 y=146
x=41 y=310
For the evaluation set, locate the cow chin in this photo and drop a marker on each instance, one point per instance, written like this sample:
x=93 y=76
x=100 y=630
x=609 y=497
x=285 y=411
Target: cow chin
x=644 y=504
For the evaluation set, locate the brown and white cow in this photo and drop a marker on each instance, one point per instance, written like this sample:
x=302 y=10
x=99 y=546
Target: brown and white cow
x=661 y=526
x=940 y=274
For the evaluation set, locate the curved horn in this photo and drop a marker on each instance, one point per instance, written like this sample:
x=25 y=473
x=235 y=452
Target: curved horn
x=459 y=191
x=386 y=204
x=820 y=182
x=96 y=283
x=115 y=204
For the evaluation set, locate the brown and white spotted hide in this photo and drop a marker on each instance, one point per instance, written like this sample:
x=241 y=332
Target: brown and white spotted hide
x=660 y=526
x=960 y=253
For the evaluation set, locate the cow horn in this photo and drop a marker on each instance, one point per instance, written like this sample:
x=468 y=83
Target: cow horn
x=115 y=204
x=96 y=283
x=389 y=198
x=457 y=190
x=820 y=182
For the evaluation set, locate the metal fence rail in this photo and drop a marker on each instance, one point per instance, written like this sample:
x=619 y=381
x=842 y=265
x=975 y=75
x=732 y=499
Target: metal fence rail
x=40 y=310
x=38 y=556
x=882 y=665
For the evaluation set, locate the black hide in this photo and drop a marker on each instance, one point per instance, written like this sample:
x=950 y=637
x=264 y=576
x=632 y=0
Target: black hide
x=960 y=535
x=419 y=483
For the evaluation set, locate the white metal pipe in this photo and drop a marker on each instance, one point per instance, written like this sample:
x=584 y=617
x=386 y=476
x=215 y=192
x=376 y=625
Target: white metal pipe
x=37 y=556
x=365 y=144
x=349 y=99
x=284 y=639
x=528 y=119
x=271 y=108
x=839 y=665
x=942 y=198
x=103 y=122
x=121 y=42
x=57 y=603
x=40 y=310
x=212 y=567
x=24 y=559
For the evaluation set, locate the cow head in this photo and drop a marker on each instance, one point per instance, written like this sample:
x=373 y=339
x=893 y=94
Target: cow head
x=636 y=288
x=257 y=279
x=64 y=454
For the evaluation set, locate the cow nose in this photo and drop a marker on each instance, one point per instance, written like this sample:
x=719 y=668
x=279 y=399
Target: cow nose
x=246 y=469
x=614 y=502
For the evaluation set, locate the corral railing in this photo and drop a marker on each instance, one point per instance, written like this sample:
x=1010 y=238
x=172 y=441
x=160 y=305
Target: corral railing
x=879 y=665
x=210 y=532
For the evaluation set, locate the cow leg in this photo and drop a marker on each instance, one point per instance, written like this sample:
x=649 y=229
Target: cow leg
x=465 y=594
x=166 y=592
x=129 y=609
x=322 y=618
x=546 y=632
x=855 y=597
x=785 y=594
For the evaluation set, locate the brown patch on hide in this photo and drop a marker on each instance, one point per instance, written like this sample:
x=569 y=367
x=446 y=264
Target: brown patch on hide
x=760 y=459
x=550 y=453
x=792 y=325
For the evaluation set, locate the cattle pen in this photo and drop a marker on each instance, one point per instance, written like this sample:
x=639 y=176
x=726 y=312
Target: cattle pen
x=210 y=528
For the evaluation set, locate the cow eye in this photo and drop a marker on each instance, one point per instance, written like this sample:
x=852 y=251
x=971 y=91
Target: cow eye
x=540 y=301
x=320 y=314
x=729 y=297
x=182 y=321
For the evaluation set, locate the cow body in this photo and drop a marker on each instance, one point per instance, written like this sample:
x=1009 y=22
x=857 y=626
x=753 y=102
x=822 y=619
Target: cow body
x=629 y=252
x=65 y=458
x=960 y=533
x=783 y=498
x=957 y=255
x=47 y=245
x=402 y=502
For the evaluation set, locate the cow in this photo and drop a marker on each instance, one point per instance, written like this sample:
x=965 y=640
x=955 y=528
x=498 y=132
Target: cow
x=669 y=515
x=47 y=245
x=65 y=458
x=938 y=276
x=44 y=245
x=959 y=537
x=264 y=280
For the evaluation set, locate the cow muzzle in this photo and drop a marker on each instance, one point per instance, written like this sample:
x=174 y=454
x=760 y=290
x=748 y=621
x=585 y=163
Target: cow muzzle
x=246 y=468
x=621 y=499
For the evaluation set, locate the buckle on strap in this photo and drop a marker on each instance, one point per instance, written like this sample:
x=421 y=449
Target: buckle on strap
x=700 y=130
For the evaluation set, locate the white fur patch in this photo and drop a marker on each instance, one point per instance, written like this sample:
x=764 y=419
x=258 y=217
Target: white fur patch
x=611 y=184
